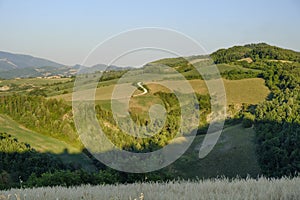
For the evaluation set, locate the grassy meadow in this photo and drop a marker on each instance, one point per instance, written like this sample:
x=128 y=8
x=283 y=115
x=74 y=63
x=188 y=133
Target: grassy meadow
x=233 y=154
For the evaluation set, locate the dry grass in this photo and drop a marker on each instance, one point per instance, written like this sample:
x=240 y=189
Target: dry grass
x=283 y=61
x=250 y=91
x=248 y=60
x=207 y=189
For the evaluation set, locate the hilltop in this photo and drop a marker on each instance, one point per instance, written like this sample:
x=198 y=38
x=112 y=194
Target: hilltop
x=255 y=52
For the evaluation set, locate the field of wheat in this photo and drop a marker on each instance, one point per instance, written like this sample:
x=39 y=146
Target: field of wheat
x=261 y=188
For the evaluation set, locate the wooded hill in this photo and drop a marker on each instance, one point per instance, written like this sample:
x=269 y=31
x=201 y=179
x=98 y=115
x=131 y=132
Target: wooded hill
x=276 y=121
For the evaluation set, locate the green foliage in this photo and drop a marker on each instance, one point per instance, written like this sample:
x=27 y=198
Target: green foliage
x=239 y=74
x=22 y=166
x=76 y=178
x=278 y=122
x=18 y=161
x=230 y=55
x=256 y=52
x=110 y=75
x=181 y=65
x=173 y=62
x=38 y=92
x=248 y=120
x=265 y=51
x=47 y=116
x=169 y=128
x=69 y=178
x=132 y=143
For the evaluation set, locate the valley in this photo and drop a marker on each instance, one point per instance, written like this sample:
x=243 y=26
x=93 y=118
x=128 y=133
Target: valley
x=262 y=107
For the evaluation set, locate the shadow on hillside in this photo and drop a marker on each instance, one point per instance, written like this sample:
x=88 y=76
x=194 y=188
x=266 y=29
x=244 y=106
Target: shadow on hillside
x=233 y=155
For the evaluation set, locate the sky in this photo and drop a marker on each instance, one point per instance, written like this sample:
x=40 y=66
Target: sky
x=66 y=31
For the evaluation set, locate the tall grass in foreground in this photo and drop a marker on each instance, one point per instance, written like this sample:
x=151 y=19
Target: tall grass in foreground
x=261 y=188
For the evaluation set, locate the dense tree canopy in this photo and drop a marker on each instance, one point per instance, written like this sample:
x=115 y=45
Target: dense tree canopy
x=278 y=123
x=256 y=52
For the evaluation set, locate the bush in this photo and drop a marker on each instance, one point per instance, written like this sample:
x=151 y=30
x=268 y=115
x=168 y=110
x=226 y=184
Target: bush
x=248 y=120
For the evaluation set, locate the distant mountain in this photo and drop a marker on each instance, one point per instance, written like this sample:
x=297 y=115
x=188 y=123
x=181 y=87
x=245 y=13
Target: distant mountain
x=37 y=72
x=100 y=68
x=95 y=68
x=24 y=66
x=9 y=61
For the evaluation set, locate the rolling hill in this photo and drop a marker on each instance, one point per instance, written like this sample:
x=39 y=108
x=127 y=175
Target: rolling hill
x=255 y=52
x=45 y=144
x=260 y=134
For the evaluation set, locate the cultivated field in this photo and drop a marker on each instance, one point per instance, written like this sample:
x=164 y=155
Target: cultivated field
x=50 y=86
x=237 y=189
x=250 y=91
x=33 y=81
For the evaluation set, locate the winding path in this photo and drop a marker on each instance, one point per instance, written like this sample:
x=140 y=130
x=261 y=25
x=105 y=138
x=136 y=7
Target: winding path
x=144 y=89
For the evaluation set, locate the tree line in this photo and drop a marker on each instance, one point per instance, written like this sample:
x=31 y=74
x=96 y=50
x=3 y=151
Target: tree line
x=46 y=116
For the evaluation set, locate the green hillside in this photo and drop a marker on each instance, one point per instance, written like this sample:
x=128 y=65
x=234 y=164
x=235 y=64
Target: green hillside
x=40 y=142
x=233 y=154
x=45 y=144
x=262 y=125
x=36 y=86
x=256 y=52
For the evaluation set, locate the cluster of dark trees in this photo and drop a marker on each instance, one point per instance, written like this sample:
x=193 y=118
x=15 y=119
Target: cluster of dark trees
x=277 y=122
x=168 y=132
x=112 y=74
x=239 y=74
x=47 y=116
x=256 y=52
x=18 y=161
x=81 y=177
x=54 y=118
x=172 y=62
x=22 y=166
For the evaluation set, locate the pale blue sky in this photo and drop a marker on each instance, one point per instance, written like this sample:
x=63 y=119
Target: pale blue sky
x=65 y=31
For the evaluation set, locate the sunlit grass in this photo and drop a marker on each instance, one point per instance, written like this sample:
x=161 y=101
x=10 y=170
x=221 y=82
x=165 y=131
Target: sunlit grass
x=261 y=188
